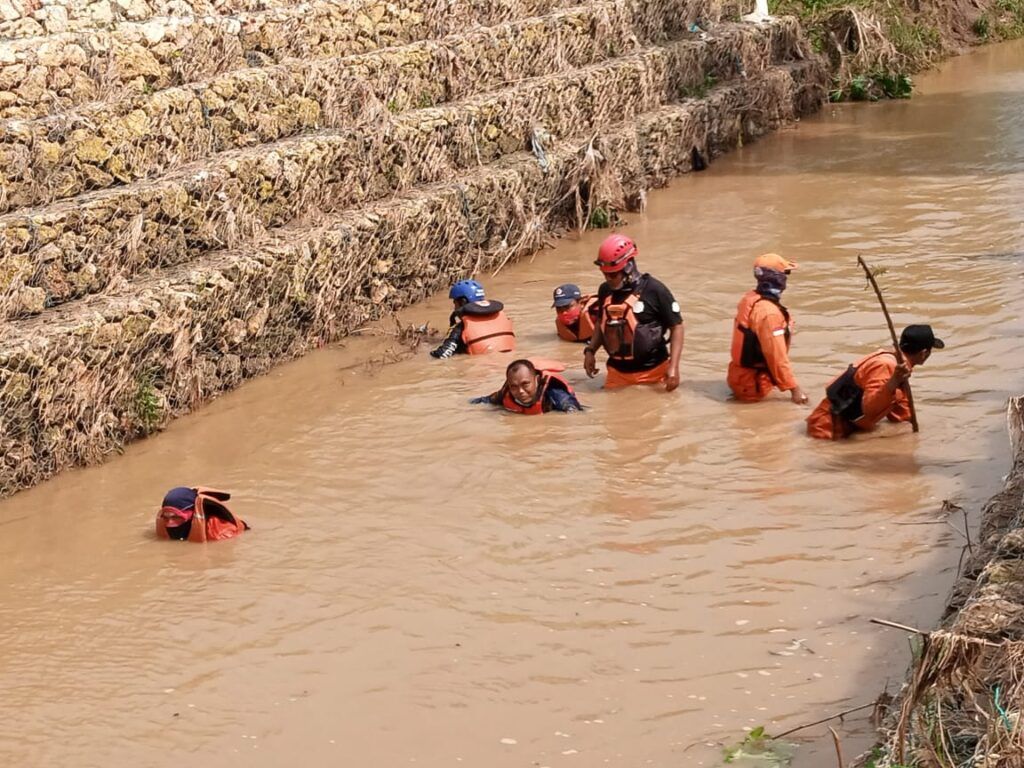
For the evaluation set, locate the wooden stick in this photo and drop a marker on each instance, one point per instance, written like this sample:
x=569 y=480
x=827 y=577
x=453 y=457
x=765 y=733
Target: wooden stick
x=825 y=720
x=839 y=749
x=904 y=627
x=895 y=341
x=916 y=631
x=967 y=532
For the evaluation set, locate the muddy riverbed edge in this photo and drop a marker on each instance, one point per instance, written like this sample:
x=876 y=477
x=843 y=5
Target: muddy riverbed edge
x=963 y=700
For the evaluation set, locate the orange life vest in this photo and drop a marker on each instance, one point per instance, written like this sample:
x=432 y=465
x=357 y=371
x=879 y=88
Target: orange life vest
x=483 y=333
x=585 y=325
x=211 y=521
x=618 y=325
x=547 y=376
x=845 y=395
x=746 y=347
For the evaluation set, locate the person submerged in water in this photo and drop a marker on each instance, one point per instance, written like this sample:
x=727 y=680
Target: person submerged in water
x=575 y=314
x=477 y=326
x=531 y=389
x=197 y=514
x=872 y=389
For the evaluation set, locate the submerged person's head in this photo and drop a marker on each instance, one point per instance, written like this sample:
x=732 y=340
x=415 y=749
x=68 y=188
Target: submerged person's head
x=523 y=382
x=616 y=258
x=566 y=301
x=917 y=343
x=466 y=291
x=177 y=511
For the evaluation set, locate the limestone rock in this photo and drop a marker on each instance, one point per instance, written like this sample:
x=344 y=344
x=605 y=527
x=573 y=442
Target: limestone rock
x=92 y=149
x=137 y=62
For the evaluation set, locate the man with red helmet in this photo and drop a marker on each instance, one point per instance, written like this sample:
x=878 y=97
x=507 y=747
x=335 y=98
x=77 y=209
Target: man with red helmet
x=635 y=312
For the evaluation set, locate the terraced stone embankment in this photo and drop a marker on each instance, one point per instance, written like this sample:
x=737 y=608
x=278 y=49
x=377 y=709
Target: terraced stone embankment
x=57 y=253
x=196 y=269
x=55 y=71
x=102 y=143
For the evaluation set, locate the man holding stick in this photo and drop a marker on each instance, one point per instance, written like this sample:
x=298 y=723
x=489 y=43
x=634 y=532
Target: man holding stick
x=872 y=389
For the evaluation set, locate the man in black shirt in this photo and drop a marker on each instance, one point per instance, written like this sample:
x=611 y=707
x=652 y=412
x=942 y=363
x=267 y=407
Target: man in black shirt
x=635 y=312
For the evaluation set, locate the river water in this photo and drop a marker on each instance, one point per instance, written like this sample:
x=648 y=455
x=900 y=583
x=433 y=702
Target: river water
x=431 y=583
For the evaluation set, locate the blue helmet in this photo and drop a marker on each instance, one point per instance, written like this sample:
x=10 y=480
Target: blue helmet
x=470 y=290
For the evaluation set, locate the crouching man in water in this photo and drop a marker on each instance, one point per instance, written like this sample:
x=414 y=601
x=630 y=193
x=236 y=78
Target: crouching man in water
x=635 y=313
x=197 y=514
x=574 y=313
x=533 y=390
x=478 y=326
x=872 y=388
x=761 y=334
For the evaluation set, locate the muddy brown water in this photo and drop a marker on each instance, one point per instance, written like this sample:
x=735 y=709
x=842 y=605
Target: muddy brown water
x=432 y=583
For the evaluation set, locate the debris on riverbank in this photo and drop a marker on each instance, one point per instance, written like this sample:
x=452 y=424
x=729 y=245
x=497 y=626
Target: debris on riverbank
x=874 y=46
x=963 y=704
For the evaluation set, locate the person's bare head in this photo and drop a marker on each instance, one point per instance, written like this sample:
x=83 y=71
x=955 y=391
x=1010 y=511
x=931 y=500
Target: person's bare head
x=523 y=381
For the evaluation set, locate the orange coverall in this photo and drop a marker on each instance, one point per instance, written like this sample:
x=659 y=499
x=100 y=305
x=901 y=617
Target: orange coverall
x=767 y=320
x=873 y=372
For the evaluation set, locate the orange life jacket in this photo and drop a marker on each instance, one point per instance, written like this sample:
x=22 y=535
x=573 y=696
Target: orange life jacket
x=618 y=325
x=584 y=326
x=746 y=347
x=483 y=333
x=211 y=521
x=547 y=376
x=845 y=395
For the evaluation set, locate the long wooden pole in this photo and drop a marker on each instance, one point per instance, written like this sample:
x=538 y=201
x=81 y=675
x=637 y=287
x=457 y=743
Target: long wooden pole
x=895 y=341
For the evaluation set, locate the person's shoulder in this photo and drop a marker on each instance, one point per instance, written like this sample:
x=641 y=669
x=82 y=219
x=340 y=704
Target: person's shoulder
x=766 y=308
x=654 y=285
x=880 y=358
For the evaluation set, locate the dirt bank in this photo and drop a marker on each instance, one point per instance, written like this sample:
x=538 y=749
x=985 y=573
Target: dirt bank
x=964 y=699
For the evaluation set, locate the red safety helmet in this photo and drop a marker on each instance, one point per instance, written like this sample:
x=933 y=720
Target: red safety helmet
x=615 y=252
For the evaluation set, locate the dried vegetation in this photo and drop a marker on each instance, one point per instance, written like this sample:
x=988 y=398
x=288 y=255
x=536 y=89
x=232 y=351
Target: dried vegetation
x=964 y=702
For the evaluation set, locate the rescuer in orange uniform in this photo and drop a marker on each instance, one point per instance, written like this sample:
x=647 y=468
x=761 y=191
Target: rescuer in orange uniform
x=533 y=388
x=197 y=514
x=635 y=312
x=761 y=335
x=871 y=389
x=574 y=313
x=477 y=326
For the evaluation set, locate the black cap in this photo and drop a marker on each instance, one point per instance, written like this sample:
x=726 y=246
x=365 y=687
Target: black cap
x=916 y=338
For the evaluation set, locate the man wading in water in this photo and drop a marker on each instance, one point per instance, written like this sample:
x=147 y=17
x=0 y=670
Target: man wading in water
x=635 y=311
x=871 y=389
x=761 y=334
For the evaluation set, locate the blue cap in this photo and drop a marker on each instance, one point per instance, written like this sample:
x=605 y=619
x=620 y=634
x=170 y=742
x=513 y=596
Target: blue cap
x=180 y=498
x=566 y=294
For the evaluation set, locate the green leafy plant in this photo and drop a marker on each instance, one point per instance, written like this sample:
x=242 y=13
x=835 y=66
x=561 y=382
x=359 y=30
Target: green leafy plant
x=149 y=408
x=895 y=85
x=982 y=27
x=600 y=218
x=760 y=749
x=860 y=89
